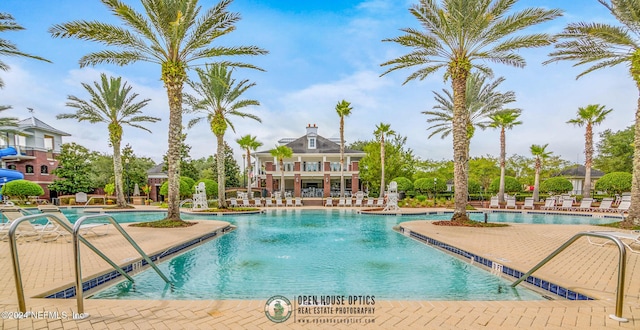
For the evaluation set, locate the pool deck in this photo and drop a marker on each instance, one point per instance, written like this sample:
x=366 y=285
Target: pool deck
x=583 y=267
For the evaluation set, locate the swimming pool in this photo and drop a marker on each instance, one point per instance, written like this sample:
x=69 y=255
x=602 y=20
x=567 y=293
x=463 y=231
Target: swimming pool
x=334 y=252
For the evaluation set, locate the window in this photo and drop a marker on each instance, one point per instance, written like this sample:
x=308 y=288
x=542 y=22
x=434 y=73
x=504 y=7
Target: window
x=312 y=143
x=12 y=167
x=29 y=169
x=20 y=140
x=44 y=169
x=48 y=142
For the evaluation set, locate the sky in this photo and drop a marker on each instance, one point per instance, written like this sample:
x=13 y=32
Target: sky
x=320 y=52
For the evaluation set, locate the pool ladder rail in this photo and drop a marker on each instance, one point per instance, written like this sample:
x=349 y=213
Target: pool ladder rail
x=77 y=238
x=622 y=265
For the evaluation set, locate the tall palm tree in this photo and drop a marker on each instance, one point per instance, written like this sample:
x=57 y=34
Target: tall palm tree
x=458 y=35
x=382 y=130
x=601 y=46
x=220 y=100
x=482 y=100
x=504 y=120
x=343 y=108
x=249 y=143
x=540 y=153
x=7 y=48
x=280 y=153
x=112 y=103
x=172 y=34
x=589 y=116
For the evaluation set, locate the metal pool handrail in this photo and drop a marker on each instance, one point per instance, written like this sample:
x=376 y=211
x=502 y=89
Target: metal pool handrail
x=76 y=253
x=622 y=265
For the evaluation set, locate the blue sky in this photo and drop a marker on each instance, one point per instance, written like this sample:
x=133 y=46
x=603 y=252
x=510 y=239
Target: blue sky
x=320 y=53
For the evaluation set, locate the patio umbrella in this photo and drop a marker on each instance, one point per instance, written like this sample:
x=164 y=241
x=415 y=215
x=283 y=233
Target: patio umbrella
x=136 y=190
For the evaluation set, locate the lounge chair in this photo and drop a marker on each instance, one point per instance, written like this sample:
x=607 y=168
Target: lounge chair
x=358 y=202
x=328 y=201
x=11 y=213
x=348 y=202
x=511 y=203
x=289 y=201
x=567 y=205
x=279 y=202
x=298 y=201
x=380 y=202
x=245 y=202
x=233 y=202
x=605 y=205
x=495 y=202
x=549 y=203
x=85 y=229
x=585 y=204
x=628 y=239
x=528 y=203
x=257 y=202
x=341 y=201
x=624 y=205
x=370 y=202
x=268 y=202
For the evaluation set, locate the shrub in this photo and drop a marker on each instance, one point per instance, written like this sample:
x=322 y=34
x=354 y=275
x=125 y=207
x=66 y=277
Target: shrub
x=474 y=187
x=421 y=198
x=427 y=185
x=186 y=190
x=557 y=185
x=511 y=185
x=109 y=189
x=21 y=189
x=404 y=184
x=210 y=187
x=615 y=182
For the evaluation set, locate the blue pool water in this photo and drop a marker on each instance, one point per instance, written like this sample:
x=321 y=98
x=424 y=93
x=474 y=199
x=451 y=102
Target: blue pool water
x=336 y=252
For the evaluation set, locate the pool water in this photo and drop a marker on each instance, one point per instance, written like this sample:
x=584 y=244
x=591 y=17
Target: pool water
x=335 y=252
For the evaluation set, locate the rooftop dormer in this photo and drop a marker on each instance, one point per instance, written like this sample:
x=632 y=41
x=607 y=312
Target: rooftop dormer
x=312 y=135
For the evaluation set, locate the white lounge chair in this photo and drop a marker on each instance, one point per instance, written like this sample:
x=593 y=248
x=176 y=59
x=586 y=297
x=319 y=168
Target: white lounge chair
x=341 y=201
x=298 y=201
x=511 y=203
x=549 y=203
x=585 y=204
x=85 y=229
x=605 y=205
x=495 y=202
x=233 y=202
x=279 y=202
x=628 y=239
x=358 y=202
x=624 y=205
x=370 y=202
x=328 y=201
x=567 y=205
x=380 y=202
x=528 y=203
x=268 y=202
x=245 y=202
x=289 y=201
x=257 y=202
x=348 y=202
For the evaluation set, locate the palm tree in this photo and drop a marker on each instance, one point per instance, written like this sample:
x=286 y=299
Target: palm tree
x=343 y=108
x=458 y=36
x=112 y=103
x=591 y=115
x=381 y=131
x=249 y=143
x=7 y=48
x=504 y=120
x=168 y=33
x=540 y=153
x=604 y=45
x=219 y=101
x=482 y=100
x=280 y=153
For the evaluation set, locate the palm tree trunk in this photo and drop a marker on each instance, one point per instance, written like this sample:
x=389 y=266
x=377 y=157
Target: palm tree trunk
x=249 y=195
x=588 y=154
x=222 y=199
x=460 y=143
x=117 y=171
x=341 y=156
x=634 y=210
x=174 y=93
x=503 y=155
x=281 y=163
x=382 y=187
x=536 y=181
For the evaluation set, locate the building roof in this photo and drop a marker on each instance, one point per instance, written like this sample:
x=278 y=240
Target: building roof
x=579 y=171
x=157 y=169
x=35 y=123
x=323 y=145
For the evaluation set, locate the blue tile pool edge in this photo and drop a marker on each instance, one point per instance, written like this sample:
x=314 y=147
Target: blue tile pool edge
x=138 y=265
x=492 y=265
